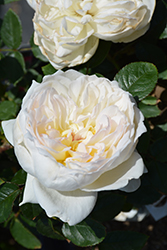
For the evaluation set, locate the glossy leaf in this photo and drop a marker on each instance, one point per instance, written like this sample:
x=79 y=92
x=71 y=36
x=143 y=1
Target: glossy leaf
x=23 y=236
x=7 y=110
x=20 y=177
x=149 y=110
x=123 y=240
x=138 y=78
x=86 y=233
x=46 y=228
x=150 y=100
x=8 y=194
x=48 y=69
x=30 y=210
x=19 y=57
x=11 y=31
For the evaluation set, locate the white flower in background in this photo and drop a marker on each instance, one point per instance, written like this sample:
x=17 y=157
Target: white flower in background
x=68 y=32
x=76 y=135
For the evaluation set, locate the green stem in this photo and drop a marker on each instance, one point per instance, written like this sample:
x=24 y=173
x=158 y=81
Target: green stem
x=12 y=50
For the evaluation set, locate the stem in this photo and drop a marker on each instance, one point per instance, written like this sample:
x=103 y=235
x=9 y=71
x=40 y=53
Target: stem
x=13 y=50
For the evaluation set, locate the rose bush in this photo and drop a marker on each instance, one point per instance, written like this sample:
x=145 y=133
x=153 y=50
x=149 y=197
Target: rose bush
x=76 y=135
x=68 y=32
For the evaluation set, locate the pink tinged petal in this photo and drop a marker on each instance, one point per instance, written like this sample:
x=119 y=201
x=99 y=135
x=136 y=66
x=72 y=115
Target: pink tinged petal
x=119 y=177
x=29 y=194
x=8 y=127
x=71 y=207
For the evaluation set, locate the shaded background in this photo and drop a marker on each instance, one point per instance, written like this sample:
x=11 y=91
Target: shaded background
x=25 y=12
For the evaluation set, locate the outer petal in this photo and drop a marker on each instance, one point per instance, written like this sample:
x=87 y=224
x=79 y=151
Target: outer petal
x=8 y=129
x=29 y=195
x=71 y=207
x=132 y=186
x=119 y=177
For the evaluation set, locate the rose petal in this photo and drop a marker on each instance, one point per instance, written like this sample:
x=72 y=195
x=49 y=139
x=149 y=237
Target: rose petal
x=8 y=127
x=119 y=176
x=71 y=207
x=132 y=186
x=29 y=194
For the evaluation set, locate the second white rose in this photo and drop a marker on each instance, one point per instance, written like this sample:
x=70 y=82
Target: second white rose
x=68 y=32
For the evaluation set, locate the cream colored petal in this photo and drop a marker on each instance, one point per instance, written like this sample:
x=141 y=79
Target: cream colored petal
x=29 y=194
x=119 y=177
x=71 y=207
x=8 y=128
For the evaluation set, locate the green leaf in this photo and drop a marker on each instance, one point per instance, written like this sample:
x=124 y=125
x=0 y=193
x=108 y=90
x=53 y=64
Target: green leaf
x=36 y=51
x=15 y=72
x=1 y=181
x=148 y=110
x=8 y=194
x=36 y=75
x=46 y=228
x=48 y=69
x=108 y=206
x=163 y=75
x=138 y=78
x=157 y=172
x=20 y=177
x=163 y=127
x=123 y=240
x=101 y=53
x=19 y=57
x=86 y=233
x=11 y=31
x=30 y=210
x=159 y=149
x=7 y=1
x=7 y=110
x=23 y=236
x=164 y=34
x=150 y=100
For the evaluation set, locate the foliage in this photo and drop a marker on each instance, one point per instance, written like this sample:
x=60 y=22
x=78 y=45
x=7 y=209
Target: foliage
x=140 y=67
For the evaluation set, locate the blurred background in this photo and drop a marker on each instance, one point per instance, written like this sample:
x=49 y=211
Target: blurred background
x=25 y=12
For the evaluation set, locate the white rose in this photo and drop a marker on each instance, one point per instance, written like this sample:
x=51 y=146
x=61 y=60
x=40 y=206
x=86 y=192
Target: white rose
x=64 y=32
x=123 y=20
x=68 y=32
x=76 y=135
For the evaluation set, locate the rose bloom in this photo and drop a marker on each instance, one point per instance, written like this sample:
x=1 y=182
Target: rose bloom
x=68 y=32
x=76 y=135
